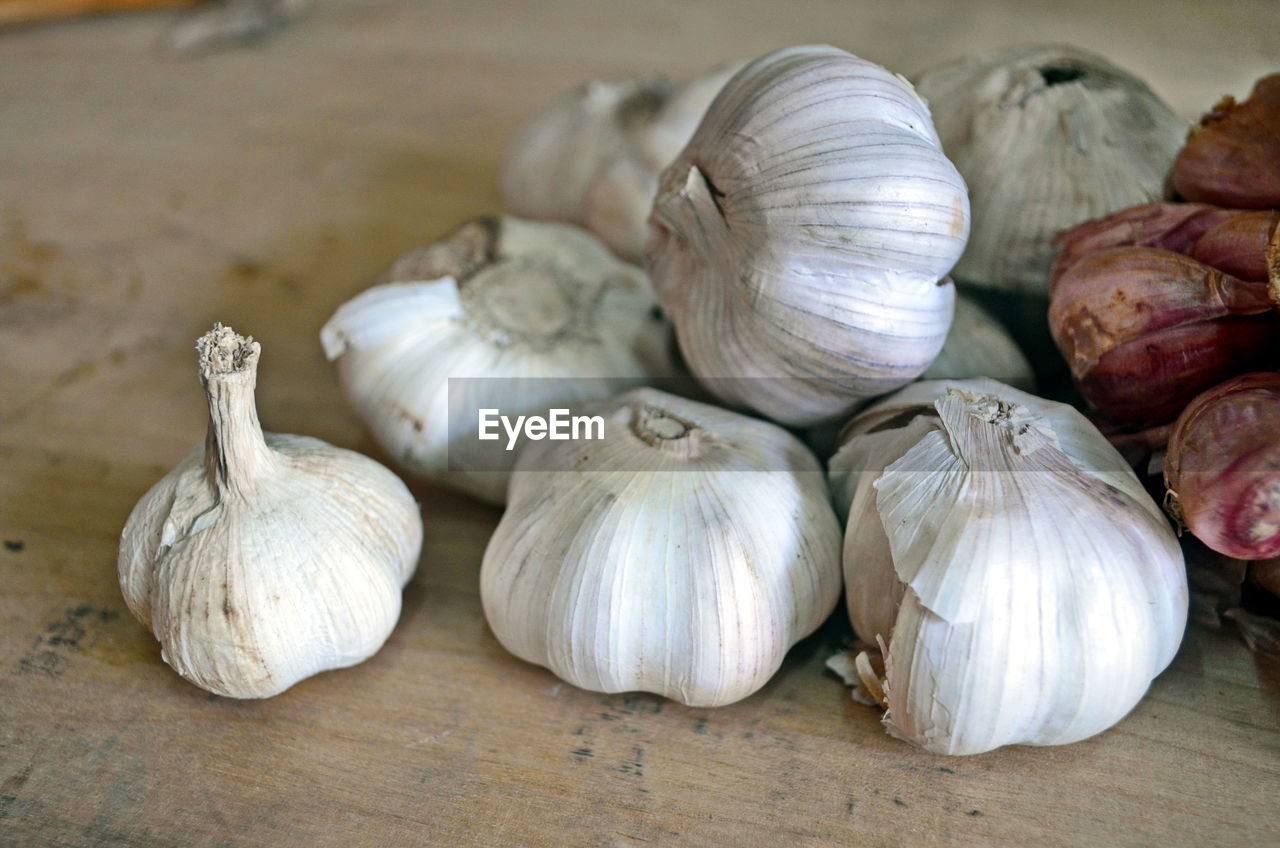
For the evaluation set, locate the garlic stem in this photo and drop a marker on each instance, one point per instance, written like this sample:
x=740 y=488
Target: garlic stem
x=668 y=432
x=236 y=454
x=526 y=302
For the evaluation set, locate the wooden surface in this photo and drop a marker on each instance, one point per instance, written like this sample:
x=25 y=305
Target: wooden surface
x=143 y=198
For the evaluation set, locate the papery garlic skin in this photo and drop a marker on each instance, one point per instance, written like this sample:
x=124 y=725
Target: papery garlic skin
x=683 y=554
x=801 y=239
x=523 y=315
x=1040 y=589
x=1046 y=136
x=977 y=345
x=265 y=558
x=554 y=156
x=618 y=199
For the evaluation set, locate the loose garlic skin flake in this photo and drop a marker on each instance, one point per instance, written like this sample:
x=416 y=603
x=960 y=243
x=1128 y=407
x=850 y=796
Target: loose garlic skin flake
x=1026 y=585
x=805 y=232
x=522 y=315
x=683 y=555
x=265 y=558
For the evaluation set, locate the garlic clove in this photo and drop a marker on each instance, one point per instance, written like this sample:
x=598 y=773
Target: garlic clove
x=1232 y=157
x=683 y=554
x=265 y=558
x=1046 y=136
x=554 y=156
x=1040 y=590
x=800 y=239
x=1223 y=467
x=617 y=201
x=977 y=345
x=872 y=595
x=528 y=316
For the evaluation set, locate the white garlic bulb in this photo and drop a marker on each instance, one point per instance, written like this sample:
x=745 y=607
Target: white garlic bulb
x=265 y=558
x=682 y=554
x=553 y=157
x=620 y=195
x=509 y=315
x=977 y=345
x=801 y=239
x=1046 y=136
x=1027 y=586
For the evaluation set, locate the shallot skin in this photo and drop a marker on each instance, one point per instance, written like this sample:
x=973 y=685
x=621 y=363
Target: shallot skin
x=1233 y=157
x=1223 y=467
x=1233 y=241
x=1145 y=330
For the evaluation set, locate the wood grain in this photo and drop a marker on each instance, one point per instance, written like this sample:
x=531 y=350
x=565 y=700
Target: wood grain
x=142 y=198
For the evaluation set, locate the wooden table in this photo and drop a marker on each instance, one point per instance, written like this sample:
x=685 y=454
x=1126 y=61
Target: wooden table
x=142 y=199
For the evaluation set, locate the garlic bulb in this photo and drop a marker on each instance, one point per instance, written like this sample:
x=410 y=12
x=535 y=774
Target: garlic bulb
x=620 y=195
x=682 y=554
x=978 y=346
x=265 y=558
x=800 y=240
x=1027 y=586
x=509 y=315
x=1046 y=136
x=553 y=157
